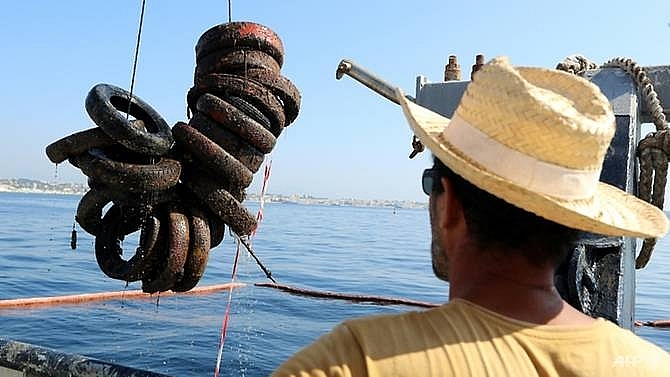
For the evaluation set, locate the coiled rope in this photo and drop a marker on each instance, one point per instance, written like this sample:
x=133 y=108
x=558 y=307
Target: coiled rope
x=653 y=151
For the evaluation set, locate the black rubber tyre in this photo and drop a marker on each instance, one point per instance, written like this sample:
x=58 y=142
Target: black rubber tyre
x=213 y=158
x=89 y=210
x=78 y=143
x=106 y=105
x=146 y=199
x=217 y=230
x=126 y=176
x=116 y=224
x=245 y=153
x=240 y=35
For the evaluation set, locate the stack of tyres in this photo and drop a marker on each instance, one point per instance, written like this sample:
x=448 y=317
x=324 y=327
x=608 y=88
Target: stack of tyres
x=240 y=103
x=179 y=187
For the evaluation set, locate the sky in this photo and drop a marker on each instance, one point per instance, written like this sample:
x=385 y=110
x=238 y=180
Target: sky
x=347 y=142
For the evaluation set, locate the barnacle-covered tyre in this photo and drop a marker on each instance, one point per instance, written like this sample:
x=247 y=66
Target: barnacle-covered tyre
x=78 y=143
x=127 y=176
x=107 y=106
x=146 y=199
x=226 y=85
x=230 y=61
x=211 y=155
x=198 y=250
x=240 y=35
x=176 y=244
x=228 y=114
x=222 y=203
x=282 y=87
x=244 y=152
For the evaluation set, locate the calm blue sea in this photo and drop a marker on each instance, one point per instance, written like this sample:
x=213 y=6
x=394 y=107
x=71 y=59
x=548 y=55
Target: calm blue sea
x=344 y=249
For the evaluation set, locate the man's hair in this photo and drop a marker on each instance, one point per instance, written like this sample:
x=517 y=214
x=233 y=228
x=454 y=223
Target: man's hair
x=492 y=221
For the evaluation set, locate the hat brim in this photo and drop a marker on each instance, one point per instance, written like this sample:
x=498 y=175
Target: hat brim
x=610 y=211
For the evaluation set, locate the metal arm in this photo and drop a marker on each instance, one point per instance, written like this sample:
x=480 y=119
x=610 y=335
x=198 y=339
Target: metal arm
x=368 y=79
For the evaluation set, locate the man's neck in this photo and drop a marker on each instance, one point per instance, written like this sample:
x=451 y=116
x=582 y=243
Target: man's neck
x=511 y=286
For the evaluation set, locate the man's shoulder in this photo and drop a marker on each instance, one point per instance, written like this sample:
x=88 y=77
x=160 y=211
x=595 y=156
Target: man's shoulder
x=444 y=317
x=630 y=346
x=632 y=352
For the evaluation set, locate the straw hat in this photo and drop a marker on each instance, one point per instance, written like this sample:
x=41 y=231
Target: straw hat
x=536 y=138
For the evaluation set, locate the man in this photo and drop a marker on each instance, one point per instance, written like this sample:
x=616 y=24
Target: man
x=515 y=180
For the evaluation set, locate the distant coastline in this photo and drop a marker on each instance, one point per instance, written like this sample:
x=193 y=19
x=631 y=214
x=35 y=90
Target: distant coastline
x=30 y=186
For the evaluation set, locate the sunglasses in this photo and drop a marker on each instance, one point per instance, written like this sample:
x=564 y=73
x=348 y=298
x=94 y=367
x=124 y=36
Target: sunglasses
x=430 y=181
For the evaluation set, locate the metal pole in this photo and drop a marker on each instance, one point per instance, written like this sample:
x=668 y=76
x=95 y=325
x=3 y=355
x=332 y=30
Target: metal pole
x=368 y=79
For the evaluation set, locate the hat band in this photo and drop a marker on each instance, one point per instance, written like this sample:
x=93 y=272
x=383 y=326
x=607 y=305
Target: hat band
x=525 y=171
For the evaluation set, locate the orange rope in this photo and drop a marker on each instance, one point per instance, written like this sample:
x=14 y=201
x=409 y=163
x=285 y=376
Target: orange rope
x=103 y=296
x=656 y=323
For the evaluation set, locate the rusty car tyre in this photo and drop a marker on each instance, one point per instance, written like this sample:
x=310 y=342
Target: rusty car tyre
x=228 y=116
x=229 y=61
x=240 y=35
x=116 y=224
x=244 y=152
x=198 y=250
x=177 y=238
x=282 y=87
x=106 y=105
x=211 y=155
x=223 y=204
x=126 y=176
x=226 y=85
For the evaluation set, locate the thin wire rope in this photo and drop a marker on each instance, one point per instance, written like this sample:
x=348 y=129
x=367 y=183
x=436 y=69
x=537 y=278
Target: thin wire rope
x=230 y=11
x=268 y=273
x=226 y=316
x=137 y=53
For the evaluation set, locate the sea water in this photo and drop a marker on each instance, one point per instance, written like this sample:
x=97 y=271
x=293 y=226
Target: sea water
x=372 y=251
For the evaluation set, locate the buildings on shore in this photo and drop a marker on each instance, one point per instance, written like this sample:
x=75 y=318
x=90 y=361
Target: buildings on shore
x=32 y=186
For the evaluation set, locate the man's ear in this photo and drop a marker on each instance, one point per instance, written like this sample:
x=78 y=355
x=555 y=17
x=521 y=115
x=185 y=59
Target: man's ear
x=451 y=207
